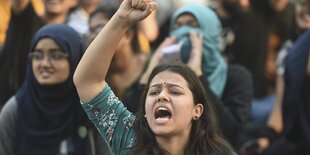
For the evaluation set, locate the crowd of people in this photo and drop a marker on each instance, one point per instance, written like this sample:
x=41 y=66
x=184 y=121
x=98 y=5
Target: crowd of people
x=103 y=77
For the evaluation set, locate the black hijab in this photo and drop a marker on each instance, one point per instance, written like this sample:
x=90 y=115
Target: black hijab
x=296 y=101
x=49 y=114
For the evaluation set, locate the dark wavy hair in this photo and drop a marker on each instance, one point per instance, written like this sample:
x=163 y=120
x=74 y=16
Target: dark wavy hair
x=205 y=137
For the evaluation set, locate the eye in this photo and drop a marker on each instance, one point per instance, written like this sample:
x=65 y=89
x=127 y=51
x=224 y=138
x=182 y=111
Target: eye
x=58 y=56
x=36 y=56
x=175 y=92
x=193 y=24
x=153 y=93
x=96 y=29
x=176 y=25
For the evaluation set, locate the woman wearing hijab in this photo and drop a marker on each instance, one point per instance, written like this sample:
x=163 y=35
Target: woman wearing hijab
x=229 y=86
x=44 y=116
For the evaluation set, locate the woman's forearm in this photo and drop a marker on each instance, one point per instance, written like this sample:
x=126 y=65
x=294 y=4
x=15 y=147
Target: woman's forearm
x=92 y=69
x=89 y=77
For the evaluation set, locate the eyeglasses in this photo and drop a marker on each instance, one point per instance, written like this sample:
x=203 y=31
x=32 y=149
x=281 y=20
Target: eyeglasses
x=96 y=29
x=53 y=57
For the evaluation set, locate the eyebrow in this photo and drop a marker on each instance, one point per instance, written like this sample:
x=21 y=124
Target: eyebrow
x=50 y=50
x=160 y=85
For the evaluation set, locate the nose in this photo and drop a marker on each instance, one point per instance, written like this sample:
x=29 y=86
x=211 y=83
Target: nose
x=46 y=62
x=163 y=96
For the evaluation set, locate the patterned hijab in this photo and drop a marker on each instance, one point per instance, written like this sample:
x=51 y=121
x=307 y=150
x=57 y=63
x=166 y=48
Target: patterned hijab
x=49 y=114
x=213 y=65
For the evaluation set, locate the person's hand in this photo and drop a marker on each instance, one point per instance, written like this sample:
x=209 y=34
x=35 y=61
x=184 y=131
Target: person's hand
x=195 y=58
x=158 y=54
x=132 y=11
x=156 y=58
x=255 y=146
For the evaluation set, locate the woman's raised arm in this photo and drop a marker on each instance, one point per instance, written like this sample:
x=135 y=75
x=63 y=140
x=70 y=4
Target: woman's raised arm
x=89 y=77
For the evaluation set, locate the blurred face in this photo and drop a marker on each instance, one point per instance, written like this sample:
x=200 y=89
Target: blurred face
x=244 y=3
x=59 y=6
x=119 y=61
x=302 y=16
x=169 y=105
x=49 y=64
x=96 y=23
x=89 y=2
x=186 y=19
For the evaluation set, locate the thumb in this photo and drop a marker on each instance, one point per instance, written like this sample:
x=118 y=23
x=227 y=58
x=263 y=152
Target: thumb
x=151 y=6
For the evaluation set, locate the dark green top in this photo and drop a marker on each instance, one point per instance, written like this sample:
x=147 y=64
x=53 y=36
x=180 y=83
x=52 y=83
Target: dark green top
x=112 y=119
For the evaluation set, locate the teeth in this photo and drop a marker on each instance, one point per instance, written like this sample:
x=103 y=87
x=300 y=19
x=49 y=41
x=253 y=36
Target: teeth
x=162 y=112
x=162 y=108
x=45 y=73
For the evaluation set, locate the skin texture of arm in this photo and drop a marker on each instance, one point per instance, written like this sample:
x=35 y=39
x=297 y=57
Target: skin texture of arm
x=89 y=77
x=275 y=118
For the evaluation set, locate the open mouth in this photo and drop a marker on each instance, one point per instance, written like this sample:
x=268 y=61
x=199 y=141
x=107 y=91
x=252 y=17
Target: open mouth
x=45 y=73
x=162 y=113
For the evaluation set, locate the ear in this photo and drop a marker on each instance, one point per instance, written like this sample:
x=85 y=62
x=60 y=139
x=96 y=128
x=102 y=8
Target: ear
x=198 y=110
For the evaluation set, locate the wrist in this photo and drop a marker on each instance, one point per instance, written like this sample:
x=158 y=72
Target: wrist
x=121 y=20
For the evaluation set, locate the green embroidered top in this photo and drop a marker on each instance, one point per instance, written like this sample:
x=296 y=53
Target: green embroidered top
x=112 y=119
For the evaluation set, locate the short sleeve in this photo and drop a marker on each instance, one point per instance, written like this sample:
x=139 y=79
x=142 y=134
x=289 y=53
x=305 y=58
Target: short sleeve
x=112 y=119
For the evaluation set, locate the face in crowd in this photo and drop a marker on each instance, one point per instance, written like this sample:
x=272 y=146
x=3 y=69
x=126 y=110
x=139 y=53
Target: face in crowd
x=49 y=63
x=58 y=7
x=97 y=21
x=169 y=105
x=302 y=13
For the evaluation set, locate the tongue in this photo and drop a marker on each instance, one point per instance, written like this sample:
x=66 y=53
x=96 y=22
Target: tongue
x=162 y=120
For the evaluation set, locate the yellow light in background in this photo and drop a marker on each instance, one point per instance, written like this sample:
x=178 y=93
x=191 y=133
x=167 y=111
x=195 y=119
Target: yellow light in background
x=5 y=13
